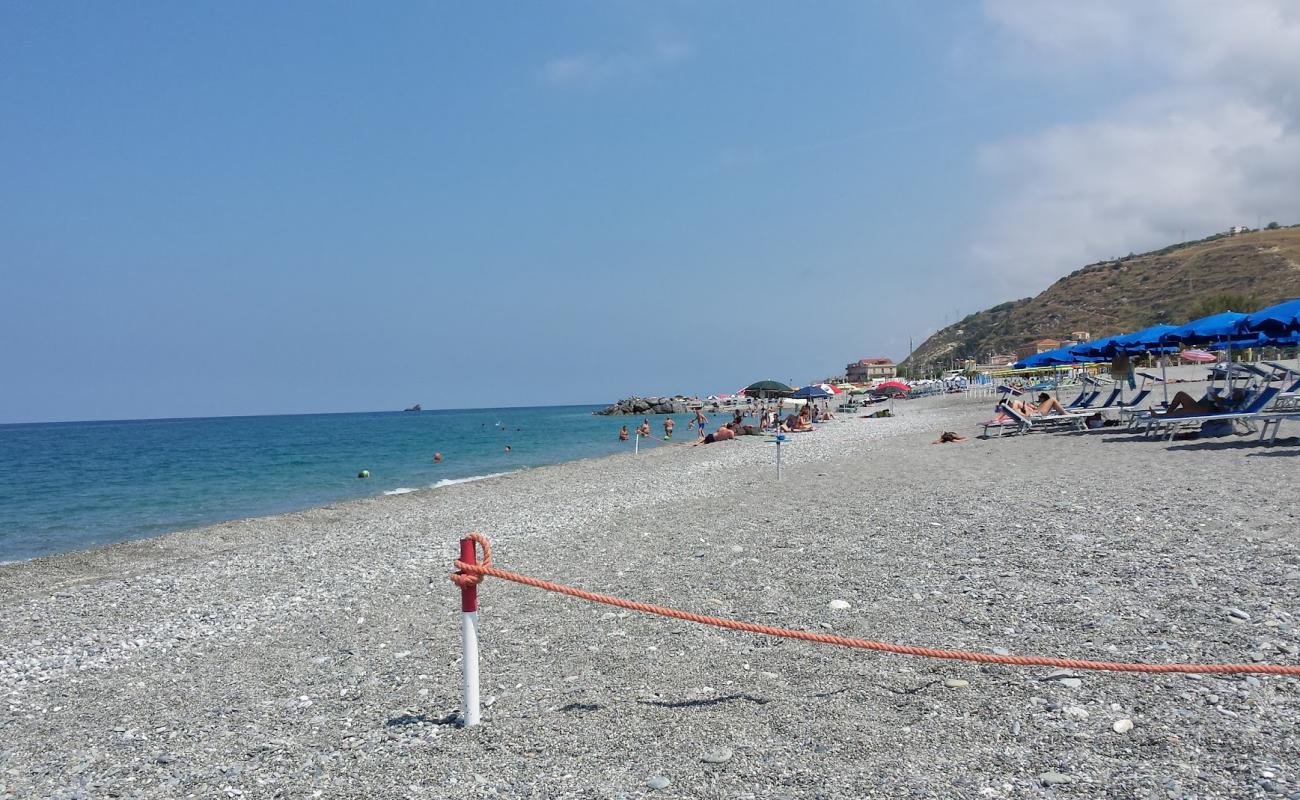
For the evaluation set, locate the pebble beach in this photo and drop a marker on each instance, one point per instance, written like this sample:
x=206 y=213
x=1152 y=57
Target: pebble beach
x=316 y=654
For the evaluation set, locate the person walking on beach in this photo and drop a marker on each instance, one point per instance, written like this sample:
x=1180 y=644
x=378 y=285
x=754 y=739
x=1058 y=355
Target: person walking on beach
x=701 y=421
x=668 y=428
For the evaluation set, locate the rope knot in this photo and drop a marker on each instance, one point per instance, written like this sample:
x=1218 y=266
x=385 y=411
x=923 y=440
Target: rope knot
x=468 y=575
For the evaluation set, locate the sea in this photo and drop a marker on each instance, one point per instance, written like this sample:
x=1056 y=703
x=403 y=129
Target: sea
x=76 y=485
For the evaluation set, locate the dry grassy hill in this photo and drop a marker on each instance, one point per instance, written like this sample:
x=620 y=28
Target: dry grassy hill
x=1174 y=285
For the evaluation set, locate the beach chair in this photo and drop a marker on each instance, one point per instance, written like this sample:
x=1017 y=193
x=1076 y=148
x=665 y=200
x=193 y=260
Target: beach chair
x=1008 y=418
x=1285 y=407
x=1247 y=413
x=1085 y=398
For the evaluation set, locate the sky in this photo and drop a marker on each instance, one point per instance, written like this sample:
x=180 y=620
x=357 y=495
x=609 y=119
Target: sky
x=247 y=208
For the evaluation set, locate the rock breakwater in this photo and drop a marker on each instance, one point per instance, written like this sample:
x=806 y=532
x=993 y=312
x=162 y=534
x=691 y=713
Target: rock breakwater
x=647 y=405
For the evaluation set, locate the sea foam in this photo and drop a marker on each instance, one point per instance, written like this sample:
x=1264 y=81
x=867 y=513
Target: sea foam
x=472 y=478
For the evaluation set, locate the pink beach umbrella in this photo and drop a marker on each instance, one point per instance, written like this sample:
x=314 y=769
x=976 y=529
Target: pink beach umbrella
x=1197 y=356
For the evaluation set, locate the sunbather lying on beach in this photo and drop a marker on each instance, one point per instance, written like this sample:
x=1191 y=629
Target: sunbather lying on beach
x=720 y=435
x=1184 y=405
x=949 y=436
x=1046 y=405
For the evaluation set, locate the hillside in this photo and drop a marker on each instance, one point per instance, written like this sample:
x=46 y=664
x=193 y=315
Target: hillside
x=1173 y=285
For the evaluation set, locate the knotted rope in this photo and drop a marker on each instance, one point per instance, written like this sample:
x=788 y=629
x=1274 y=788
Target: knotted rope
x=472 y=575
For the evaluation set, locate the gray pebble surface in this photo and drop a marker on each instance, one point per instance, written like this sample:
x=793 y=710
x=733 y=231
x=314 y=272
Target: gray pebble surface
x=316 y=654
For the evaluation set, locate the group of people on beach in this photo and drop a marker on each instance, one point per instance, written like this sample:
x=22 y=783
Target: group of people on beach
x=768 y=416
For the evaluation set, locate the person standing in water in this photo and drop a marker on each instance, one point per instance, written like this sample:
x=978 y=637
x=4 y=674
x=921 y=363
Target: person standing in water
x=701 y=421
x=644 y=430
x=668 y=428
x=622 y=434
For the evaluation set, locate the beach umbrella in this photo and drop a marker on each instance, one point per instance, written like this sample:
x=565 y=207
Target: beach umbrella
x=1147 y=339
x=1151 y=339
x=830 y=388
x=891 y=387
x=813 y=392
x=1215 y=330
x=1277 y=321
x=1096 y=350
x=1198 y=356
x=763 y=389
x=1051 y=358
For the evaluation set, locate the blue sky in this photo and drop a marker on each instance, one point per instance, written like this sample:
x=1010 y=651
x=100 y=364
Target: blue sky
x=248 y=208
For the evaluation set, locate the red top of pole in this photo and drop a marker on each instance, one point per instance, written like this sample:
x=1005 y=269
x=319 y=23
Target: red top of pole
x=469 y=593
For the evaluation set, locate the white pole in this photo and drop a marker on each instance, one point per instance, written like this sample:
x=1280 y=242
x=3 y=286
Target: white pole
x=469 y=647
x=778 y=457
x=469 y=639
x=636 y=447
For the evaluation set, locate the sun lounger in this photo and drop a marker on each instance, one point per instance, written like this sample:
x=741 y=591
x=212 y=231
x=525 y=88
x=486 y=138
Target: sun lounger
x=1136 y=401
x=1085 y=398
x=1026 y=423
x=1285 y=407
x=1247 y=413
x=1008 y=418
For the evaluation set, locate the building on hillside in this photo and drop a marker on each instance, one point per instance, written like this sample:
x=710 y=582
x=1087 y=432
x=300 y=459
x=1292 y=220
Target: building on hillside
x=1081 y=336
x=866 y=370
x=1004 y=360
x=1037 y=346
x=1236 y=229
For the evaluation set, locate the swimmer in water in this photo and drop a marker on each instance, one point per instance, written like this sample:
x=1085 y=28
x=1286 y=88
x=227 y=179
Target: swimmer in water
x=437 y=458
x=507 y=448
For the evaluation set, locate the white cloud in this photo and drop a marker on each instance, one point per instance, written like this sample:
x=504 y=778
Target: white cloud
x=1217 y=144
x=592 y=70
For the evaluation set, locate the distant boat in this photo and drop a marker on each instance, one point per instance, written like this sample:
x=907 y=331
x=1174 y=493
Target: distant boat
x=415 y=407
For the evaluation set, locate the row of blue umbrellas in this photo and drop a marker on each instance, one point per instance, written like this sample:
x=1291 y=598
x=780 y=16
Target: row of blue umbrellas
x=1275 y=325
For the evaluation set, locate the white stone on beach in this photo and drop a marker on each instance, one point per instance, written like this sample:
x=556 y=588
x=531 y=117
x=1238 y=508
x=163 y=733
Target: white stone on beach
x=956 y=683
x=718 y=755
x=658 y=782
x=1122 y=726
x=1071 y=683
x=1054 y=778
x=1076 y=712
x=839 y=605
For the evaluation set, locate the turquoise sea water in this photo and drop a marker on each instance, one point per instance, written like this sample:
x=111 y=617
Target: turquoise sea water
x=70 y=486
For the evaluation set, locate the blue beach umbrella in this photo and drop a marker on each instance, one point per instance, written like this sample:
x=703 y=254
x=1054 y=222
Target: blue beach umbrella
x=1150 y=339
x=1051 y=358
x=1275 y=321
x=1147 y=339
x=1097 y=349
x=811 y=392
x=1220 y=331
x=1214 y=328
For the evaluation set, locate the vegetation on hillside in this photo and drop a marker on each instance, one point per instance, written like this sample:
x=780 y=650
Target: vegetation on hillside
x=1173 y=284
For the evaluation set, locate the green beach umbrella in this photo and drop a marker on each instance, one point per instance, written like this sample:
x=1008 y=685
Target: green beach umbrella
x=763 y=389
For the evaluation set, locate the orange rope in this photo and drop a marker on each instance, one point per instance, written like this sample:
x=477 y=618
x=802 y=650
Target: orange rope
x=472 y=574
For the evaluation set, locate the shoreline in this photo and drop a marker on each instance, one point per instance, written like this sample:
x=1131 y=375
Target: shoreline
x=444 y=483
x=318 y=650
